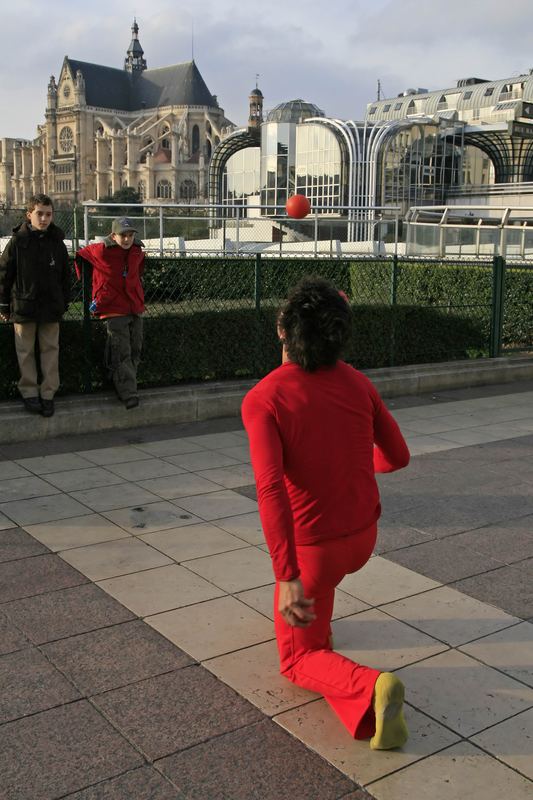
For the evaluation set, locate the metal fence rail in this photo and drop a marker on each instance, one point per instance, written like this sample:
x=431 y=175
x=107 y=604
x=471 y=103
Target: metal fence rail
x=423 y=310
x=214 y=317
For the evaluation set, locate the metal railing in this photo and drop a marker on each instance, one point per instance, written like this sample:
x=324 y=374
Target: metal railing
x=233 y=229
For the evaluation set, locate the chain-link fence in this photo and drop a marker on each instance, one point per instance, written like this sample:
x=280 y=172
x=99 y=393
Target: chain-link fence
x=214 y=318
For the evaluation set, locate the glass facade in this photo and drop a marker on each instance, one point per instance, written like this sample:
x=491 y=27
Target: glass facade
x=320 y=172
x=241 y=178
x=278 y=141
x=419 y=165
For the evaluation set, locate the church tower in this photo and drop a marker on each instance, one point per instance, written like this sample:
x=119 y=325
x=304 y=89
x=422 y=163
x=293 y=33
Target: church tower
x=135 y=62
x=255 y=117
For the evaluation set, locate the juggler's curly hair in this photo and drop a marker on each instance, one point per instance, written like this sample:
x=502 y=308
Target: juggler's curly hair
x=315 y=323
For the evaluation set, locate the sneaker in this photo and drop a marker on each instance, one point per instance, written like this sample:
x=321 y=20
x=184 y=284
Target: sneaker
x=131 y=402
x=47 y=409
x=32 y=404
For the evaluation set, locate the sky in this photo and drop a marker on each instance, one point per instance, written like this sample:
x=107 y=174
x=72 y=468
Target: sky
x=328 y=52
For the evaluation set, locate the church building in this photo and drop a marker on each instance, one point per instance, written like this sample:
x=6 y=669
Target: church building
x=107 y=128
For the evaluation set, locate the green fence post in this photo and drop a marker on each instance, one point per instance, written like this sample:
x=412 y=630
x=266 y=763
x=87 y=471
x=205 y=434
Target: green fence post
x=257 y=282
x=393 y=300
x=86 y=288
x=75 y=236
x=498 y=302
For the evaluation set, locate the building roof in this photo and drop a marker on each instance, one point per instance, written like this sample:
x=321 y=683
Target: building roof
x=294 y=111
x=107 y=87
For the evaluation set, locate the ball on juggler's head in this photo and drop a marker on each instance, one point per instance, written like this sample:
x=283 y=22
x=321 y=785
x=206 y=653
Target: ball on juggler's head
x=298 y=206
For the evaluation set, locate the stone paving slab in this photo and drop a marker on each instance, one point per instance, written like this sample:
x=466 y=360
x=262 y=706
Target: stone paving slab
x=15 y=543
x=65 y=612
x=11 y=639
x=112 y=657
x=466 y=640
x=29 y=683
x=36 y=575
x=508 y=587
x=259 y=761
x=145 y=783
x=57 y=752
x=176 y=711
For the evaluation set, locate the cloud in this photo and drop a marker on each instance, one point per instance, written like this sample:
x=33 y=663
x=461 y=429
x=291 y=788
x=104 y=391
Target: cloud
x=330 y=53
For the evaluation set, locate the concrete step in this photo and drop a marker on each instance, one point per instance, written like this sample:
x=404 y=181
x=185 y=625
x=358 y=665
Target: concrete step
x=98 y=412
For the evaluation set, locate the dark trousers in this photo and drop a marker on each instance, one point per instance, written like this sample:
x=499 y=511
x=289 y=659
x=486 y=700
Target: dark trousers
x=123 y=353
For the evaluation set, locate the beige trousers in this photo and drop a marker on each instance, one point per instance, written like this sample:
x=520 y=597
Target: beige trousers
x=26 y=334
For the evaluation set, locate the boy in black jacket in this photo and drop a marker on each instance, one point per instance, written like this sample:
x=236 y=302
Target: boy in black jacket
x=35 y=280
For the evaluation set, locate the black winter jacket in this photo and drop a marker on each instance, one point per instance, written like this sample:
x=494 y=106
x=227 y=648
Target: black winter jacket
x=35 y=275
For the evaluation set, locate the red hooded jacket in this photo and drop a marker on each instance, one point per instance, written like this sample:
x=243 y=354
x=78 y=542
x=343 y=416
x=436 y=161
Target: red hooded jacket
x=116 y=277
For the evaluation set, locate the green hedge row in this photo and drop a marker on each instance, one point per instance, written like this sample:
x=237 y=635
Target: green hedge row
x=209 y=345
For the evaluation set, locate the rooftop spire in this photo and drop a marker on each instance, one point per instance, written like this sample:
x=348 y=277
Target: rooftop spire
x=134 y=61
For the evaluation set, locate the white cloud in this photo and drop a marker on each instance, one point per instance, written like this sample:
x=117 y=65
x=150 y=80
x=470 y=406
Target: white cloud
x=330 y=53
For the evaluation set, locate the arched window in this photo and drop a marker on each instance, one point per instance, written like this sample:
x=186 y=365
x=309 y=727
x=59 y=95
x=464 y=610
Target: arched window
x=208 y=127
x=208 y=149
x=443 y=103
x=147 y=147
x=141 y=189
x=164 y=190
x=195 y=139
x=188 y=190
x=100 y=130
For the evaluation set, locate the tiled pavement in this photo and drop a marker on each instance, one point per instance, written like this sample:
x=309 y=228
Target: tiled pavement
x=137 y=657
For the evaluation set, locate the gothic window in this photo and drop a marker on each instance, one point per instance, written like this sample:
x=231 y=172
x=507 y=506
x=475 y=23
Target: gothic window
x=66 y=91
x=208 y=127
x=208 y=149
x=147 y=147
x=195 y=138
x=66 y=139
x=164 y=190
x=165 y=141
x=100 y=130
x=188 y=190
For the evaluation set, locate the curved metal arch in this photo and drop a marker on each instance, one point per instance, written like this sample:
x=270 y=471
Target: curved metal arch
x=494 y=146
x=239 y=140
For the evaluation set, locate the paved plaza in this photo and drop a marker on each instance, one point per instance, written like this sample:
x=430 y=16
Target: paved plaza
x=137 y=652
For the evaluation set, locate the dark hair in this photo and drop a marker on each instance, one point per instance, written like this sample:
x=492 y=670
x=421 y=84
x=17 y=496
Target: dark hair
x=315 y=323
x=38 y=200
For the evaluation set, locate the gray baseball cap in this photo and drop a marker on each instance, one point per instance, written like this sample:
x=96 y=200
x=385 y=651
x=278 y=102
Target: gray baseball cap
x=123 y=225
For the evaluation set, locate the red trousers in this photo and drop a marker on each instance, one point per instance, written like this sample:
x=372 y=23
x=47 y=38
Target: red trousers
x=306 y=657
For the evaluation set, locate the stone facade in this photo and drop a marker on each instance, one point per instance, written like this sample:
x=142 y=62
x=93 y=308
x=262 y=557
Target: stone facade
x=106 y=128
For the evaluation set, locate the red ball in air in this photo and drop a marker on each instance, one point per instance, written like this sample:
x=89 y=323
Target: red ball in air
x=298 y=206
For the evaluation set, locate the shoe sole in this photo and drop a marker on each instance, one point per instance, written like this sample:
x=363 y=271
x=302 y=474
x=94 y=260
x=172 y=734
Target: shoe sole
x=391 y=730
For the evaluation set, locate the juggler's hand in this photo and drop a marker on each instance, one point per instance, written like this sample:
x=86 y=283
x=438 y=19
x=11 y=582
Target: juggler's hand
x=293 y=605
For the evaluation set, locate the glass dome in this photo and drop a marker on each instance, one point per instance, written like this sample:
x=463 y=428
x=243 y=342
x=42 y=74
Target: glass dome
x=294 y=111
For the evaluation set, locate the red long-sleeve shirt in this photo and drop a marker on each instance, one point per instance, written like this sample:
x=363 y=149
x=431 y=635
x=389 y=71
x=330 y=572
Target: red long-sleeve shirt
x=316 y=440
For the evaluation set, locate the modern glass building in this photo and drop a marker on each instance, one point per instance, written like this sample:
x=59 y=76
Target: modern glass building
x=418 y=149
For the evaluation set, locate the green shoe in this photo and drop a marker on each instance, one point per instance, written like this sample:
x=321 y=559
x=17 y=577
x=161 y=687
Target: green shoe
x=391 y=730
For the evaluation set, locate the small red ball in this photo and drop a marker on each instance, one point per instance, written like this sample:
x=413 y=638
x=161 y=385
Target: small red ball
x=298 y=206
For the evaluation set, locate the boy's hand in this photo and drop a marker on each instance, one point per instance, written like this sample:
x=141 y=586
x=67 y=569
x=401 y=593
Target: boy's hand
x=293 y=605
x=4 y=317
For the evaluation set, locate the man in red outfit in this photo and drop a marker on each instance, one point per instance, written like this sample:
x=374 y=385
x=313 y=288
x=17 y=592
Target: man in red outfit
x=117 y=265
x=318 y=432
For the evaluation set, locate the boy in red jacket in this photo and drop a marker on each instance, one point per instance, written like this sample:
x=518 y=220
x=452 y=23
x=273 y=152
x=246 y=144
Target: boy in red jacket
x=118 y=298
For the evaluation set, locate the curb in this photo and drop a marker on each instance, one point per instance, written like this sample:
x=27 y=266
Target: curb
x=95 y=413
